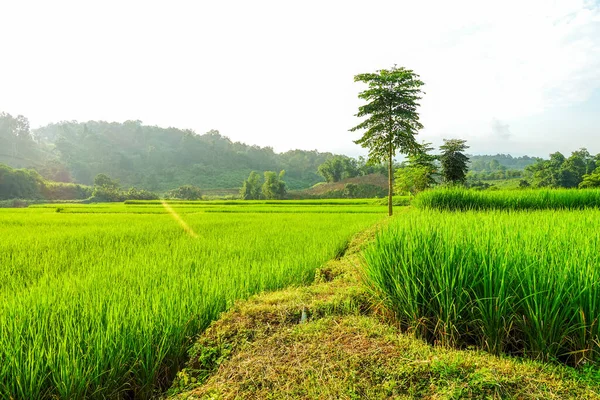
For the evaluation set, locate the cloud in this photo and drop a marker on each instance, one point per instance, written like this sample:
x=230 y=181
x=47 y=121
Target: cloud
x=524 y=58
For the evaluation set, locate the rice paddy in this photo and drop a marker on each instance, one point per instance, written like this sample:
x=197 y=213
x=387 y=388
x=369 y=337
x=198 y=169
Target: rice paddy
x=525 y=283
x=457 y=199
x=103 y=301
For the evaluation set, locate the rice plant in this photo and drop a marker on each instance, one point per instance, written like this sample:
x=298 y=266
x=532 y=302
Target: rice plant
x=457 y=199
x=524 y=283
x=104 y=303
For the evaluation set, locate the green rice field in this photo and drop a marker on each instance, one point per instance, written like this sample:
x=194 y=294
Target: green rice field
x=524 y=283
x=458 y=199
x=103 y=301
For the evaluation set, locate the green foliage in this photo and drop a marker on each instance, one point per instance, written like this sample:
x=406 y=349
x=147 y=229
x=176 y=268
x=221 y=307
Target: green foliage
x=185 y=192
x=591 y=180
x=140 y=194
x=338 y=168
x=104 y=181
x=561 y=172
x=65 y=191
x=107 y=190
x=55 y=171
x=354 y=191
x=251 y=188
x=411 y=180
x=17 y=147
x=459 y=199
x=19 y=183
x=522 y=283
x=454 y=161
x=274 y=186
x=106 y=305
x=499 y=162
x=367 y=167
x=418 y=173
x=160 y=159
x=391 y=110
x=392 y=118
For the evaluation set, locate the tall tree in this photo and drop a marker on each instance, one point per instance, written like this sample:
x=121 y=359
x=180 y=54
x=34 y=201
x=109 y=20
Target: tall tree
x=392 y=119
x=454 y=161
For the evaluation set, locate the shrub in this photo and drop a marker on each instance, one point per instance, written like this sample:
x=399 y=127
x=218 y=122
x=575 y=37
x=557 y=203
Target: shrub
x=185 y=192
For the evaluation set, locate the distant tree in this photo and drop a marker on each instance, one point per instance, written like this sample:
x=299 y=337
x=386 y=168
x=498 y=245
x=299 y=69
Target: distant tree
x=274 y=186
x=367 y=167
x=494 y=165
x=591 y=180
x=140 y=194
x=523 y=183
x=251 y=188
x=106 y=189
x=104 y=181
x=412 y=180
x=453 y=160
x=350 y=190
x=392 y=119
x=14 y=126
x=185 y=192
x=19 y=183
x=338 y=168
x=54 y=170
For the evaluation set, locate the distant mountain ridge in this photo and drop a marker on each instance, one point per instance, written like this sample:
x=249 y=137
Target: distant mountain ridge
x=150 y=157
x=160 y=159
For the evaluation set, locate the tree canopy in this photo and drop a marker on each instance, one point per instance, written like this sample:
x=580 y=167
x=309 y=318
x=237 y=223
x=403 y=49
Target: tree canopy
x=453 y=160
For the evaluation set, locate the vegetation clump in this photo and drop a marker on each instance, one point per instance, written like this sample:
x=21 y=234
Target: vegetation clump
x=460 y=199
x=518 y=283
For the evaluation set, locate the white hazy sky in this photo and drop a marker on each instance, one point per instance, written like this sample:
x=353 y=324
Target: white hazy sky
x=509 y=76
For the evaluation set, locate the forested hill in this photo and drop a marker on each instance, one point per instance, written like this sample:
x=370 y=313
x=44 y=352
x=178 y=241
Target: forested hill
x=489 y=162
x=148 y=157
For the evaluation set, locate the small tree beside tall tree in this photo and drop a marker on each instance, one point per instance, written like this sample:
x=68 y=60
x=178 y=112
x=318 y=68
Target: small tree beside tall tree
x=454 y=161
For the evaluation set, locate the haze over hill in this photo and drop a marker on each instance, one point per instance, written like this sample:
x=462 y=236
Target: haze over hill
x=155 y=158
x=518 y=77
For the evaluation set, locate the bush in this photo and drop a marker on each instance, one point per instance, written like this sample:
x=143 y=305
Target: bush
x=140 y=194
x=65 y=191
x=185 y=192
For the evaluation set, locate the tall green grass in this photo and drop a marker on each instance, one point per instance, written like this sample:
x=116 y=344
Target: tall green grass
x=521 y=283
x=105 y=305
x=456 y=199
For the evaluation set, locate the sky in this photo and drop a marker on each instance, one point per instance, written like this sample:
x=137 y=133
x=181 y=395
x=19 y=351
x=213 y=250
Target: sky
x=519 y=77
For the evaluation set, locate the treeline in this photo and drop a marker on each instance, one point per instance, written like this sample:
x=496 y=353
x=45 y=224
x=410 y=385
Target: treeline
x=272 y=187
x=148 y=157
x=338 y=168
x=451 y=167
x=490 y=163
x=581 y=170
x=29 y=184
x=490 y=168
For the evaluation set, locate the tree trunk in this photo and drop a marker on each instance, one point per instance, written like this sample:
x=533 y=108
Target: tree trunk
x=390 y=189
